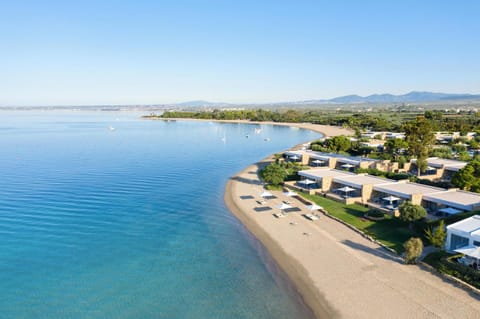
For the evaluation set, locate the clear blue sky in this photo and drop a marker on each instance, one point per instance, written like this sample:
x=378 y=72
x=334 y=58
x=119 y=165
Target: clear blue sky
x=136 y=52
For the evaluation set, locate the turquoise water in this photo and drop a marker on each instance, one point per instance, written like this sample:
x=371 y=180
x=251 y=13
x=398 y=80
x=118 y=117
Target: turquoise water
x=130 y=222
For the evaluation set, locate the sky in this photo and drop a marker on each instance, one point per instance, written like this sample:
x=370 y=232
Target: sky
x=152 y=52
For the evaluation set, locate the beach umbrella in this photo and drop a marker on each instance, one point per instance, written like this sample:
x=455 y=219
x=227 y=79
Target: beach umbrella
x=294 y=157
x=345 y=189
x=390 y=198
x=306 y=181
x=314 y=207
x=290 y=193
x=266 y=194
x=347 y=166
x=284 y=206
x=318 y=162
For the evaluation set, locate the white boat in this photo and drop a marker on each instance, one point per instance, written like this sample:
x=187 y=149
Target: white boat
x=111 y=128
x=258 y=130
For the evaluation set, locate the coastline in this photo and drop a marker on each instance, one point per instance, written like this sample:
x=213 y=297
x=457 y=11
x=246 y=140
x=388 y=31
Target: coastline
x=337 y=272
x=326 y=130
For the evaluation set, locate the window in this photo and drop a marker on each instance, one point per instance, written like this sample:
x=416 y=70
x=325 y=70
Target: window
x=476 y=243
x=457 y=242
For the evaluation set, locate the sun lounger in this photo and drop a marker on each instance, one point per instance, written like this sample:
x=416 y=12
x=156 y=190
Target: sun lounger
x=310 y=216
x=279 y=215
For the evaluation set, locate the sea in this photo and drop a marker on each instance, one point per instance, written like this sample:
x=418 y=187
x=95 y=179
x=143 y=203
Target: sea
x=104 y=214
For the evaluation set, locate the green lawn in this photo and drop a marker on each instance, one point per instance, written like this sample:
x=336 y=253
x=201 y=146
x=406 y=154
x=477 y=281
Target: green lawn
x=392 y=232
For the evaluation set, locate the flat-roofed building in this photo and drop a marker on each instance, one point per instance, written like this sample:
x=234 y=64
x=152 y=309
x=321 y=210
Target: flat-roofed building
x=457 y=199
x=463 y=233
x=440 y=168
x=412 y=192
x=362 y=185
x=324 y=176
x=331 y=160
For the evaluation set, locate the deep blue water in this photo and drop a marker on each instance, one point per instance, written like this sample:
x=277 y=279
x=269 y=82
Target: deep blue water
x=130 y=223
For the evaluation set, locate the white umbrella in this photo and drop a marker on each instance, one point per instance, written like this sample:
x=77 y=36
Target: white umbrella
x=450 y=210
x=306 y=181
x=266 y=194
x=472 y=251
x=390 y=198
x=284 y=206
x=347 y=166
x=290 y=194
x=317 y=162
x=314 y=207
x=345 y=189
x=294 y=157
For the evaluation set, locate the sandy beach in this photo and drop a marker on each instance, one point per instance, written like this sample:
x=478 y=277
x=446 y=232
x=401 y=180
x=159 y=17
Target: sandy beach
x=339 y=273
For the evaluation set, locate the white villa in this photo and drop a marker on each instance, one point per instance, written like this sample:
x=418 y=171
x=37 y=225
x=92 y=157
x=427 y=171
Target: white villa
x=465 y=233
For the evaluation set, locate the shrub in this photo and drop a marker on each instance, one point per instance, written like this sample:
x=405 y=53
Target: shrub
x=375 y=213
x=413 y=250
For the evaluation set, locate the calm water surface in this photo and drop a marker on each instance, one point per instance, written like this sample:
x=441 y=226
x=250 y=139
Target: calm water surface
x=130 y=222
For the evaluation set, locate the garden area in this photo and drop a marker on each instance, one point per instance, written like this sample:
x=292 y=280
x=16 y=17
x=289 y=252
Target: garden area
x=446 y=263
x=390 y=231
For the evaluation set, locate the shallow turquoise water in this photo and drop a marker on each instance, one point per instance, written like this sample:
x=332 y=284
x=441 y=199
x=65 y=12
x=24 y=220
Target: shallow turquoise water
x=130 y=223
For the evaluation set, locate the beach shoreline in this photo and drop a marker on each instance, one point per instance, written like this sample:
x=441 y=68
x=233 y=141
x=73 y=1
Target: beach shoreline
x=325 y=130
x=336 y=272
x=342 y=274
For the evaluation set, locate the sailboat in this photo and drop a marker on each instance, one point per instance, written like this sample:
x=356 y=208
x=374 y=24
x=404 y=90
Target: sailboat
x=224 y=138
x=258 y=130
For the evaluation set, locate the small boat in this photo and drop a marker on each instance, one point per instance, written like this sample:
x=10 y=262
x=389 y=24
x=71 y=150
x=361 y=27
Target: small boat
x=224 y=138
x=111 y=128
x=266 y=139
x=258 y=130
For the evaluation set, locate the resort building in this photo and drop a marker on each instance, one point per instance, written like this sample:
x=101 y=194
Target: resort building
x=338 y=161
x=438 y=168
x=385 y=193
x=453 y=200
x=463 y=234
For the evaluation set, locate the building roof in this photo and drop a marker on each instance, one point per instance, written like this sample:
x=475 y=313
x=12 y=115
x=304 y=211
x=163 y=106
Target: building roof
x=447 y=163
x=358 y=180
x=456 y=199
x=406 y=189
x=319 y=173
x=469 y=226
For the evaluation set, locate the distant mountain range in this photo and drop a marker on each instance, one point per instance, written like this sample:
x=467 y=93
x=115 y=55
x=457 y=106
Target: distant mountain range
x=404 y=98
x=412 y=97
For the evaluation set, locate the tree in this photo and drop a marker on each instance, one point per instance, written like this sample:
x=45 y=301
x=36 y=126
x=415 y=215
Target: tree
x=420 y=138
x=413 y=250
x=437 y=237
x=411 y=213
x=274 y=174
x=394 y=146
x=468 y=178
x=339 y=143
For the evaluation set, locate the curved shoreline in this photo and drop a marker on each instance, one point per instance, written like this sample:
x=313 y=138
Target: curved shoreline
x=294 y=270
x=337 y=272
x=326 y=130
